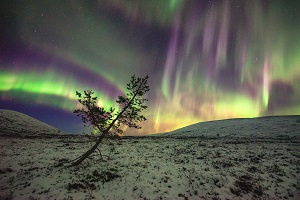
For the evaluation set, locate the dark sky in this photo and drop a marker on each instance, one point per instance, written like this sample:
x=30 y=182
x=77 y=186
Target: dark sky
x=206 y=60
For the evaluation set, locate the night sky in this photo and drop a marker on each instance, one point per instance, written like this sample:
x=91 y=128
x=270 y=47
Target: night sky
x=206 y=60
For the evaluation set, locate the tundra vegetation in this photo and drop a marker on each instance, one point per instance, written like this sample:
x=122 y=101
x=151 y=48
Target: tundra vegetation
x=109 y=123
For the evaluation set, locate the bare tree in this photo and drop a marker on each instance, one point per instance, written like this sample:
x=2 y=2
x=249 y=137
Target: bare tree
x=108 y=122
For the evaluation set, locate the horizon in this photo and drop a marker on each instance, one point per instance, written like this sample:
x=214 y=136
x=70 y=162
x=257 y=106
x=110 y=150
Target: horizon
x=206 y=60
x=89 y=131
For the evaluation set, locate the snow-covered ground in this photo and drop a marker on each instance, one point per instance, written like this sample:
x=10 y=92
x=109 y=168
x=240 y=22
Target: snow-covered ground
x=151 y=168
x=16 y=123
x=173 y=167
x=261 y=127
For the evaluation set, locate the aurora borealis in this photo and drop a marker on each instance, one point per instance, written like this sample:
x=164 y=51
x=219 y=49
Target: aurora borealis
x=206 y=60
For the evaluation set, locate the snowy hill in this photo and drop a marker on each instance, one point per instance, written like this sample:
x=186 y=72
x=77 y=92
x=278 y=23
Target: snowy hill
x=16 y=123
x=154 y=167
x=273 y=126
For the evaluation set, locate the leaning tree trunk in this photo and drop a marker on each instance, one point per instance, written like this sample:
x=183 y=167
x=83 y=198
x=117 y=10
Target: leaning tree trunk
x=90 y=151
x=105 y=132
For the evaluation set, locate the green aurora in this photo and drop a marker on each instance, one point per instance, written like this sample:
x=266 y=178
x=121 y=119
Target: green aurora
x=206 y=60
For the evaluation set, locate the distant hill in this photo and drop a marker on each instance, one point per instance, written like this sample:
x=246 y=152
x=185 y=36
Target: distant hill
x=262 y=127
x=16 y=123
